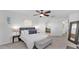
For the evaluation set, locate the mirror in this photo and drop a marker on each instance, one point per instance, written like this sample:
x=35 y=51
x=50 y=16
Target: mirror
x=73 y=35
x=73 y=32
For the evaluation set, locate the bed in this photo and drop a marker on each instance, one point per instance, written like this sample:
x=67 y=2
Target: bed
x=33 y=39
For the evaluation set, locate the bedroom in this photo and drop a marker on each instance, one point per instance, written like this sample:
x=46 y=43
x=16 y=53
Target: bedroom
x=57 y=25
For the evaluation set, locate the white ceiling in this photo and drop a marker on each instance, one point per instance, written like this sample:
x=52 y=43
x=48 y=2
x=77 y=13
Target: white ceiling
x=57 y=13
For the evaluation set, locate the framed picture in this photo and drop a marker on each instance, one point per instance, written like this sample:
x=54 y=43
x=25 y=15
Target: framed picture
x=47 y=30
x=8 y=20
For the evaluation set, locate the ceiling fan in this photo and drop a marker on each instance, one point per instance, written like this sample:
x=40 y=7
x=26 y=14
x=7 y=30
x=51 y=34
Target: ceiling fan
x=42 y=13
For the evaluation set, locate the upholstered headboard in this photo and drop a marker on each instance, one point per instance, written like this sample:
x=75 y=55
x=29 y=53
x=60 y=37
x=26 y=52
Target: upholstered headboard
x=31 y=30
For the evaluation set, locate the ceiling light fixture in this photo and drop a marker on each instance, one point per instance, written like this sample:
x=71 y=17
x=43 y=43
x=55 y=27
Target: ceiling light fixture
x=42 y=13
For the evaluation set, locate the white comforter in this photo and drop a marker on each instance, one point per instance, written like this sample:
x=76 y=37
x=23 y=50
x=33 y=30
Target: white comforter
x=32 y=38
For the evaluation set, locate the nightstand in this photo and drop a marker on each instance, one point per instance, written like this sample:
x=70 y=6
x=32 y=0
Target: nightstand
x=16 y=36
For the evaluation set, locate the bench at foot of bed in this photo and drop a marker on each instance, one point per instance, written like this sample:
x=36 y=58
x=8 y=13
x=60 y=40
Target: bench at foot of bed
x=43 y=43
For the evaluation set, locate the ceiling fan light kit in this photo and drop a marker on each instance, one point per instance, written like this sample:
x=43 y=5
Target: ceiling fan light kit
x=41 y=15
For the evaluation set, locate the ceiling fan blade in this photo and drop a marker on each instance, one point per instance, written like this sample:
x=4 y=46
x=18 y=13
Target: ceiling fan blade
x=46 y=15
x=37 y=11
x=48 y=12
x=41 y=10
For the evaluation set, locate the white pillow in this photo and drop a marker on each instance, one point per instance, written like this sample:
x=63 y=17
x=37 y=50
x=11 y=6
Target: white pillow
x=24 y=32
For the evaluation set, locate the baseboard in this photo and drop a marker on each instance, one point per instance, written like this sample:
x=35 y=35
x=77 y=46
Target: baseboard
x=5 y=42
